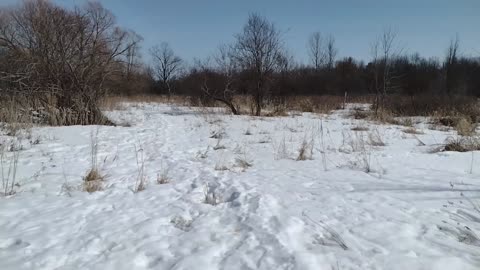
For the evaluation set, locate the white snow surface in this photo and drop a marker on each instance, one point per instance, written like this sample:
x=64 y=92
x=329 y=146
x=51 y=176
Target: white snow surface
x=411 y=209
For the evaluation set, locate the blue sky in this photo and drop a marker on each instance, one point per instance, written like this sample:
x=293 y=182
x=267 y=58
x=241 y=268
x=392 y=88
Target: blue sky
x=194 y=28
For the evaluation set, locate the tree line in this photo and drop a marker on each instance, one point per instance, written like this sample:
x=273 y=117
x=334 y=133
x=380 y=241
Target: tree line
x=67 y=60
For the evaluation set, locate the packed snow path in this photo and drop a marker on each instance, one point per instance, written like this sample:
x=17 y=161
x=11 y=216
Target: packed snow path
x=410 y=209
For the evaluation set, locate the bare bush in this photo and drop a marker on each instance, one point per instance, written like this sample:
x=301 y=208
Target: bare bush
x=465 y=127
x=218 y=80
x=210 y=195
x=64 y=61
x=162 y=176
x=221 y=167
x=241 y=160
x=280 y=149
x=360 y=128
x=219 y=145
x=306 y=149
x=462 y=144
x=93 y=180
x=331 y=234
x=359 y=113
x=375 y=139
x=413 y=130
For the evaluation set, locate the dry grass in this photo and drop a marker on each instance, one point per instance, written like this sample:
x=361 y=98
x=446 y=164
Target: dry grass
x=375 y=139
x=111 y=103
x=141 y=180
x=221 y=167
x=408 y=122
x=359 y=113
x=465 y=127
x=279 y=106
x=360 y=128
x=461 y=144
x=413 y=130
x=383 y=116
x=437 y=106
x=242 y=162
x=162 y=177
x=305 y=152
x=8 y=169
x=315 y=104
x=280 y=149
x=93 y=181
x=210 y=195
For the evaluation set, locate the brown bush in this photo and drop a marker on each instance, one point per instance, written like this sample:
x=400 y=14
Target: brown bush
x=441 y=107
x=462 y=144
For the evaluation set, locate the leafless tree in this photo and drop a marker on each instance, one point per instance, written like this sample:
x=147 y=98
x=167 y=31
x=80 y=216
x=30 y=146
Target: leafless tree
x=331 y=51
x=132 y=55
x=257 y=50
x=451 y=61
x=166 y=64
x=218 y=79
x=384 y=51
x=315 y=50
x=68 y=56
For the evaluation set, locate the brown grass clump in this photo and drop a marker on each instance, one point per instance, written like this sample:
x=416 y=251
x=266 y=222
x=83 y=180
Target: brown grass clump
x=383 y=116
x=462 y=144
x=359 y=113
x=375 y=139
x=438 y=106
x=305 y=152
x=93 y=181
x=464 y=127
x=412 y=131
x=315 y=104
x=360 y=128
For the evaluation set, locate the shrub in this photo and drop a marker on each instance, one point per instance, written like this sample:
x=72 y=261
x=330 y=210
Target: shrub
x=92 y=182
x=462 y=144
x=93 y=179
x=360 y=128
x=375 y=139
x=430 y=105
x=306 y=149
x=464 y=127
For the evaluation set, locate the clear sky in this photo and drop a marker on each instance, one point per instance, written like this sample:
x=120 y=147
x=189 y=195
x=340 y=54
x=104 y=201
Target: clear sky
x=194 y=28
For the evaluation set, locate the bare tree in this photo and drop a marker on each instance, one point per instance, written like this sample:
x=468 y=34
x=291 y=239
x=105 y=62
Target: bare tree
x=315 y=50
x=66 y=57
x=331 y=51
x=166 y=64
x=132 y=55
x=218 y=80
x=450 y=64
x=257 y=50
x=384 y=52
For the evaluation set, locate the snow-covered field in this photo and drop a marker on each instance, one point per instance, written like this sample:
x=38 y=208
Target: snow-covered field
x=238 y=198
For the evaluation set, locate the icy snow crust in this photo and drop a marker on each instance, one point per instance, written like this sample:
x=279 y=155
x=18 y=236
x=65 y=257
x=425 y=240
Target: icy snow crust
x=410 y=210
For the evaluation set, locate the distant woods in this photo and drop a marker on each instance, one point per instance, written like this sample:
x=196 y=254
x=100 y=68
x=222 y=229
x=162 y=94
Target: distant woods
x=62 y=62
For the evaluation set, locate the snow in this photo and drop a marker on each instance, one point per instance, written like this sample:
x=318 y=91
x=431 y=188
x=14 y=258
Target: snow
x=408 y=209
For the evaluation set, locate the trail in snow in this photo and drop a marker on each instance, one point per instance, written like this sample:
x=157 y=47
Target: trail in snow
x=407 y=213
